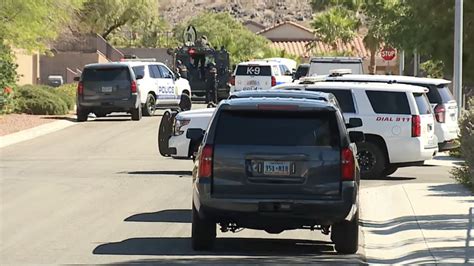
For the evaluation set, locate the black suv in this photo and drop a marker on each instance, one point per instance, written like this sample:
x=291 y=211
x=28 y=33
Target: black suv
x=276 y=164
x=107 y=88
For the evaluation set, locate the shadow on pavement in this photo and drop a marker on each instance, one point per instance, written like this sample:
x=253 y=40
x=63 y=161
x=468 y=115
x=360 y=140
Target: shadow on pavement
x=180 y=173
x=426 y=222
x=166 y=216
x=392 y=178
x=450 y=190
x=223 y=246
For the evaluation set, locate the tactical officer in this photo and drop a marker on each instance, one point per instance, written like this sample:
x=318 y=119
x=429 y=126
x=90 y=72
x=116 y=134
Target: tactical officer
x=182 y=69
x=211 y=83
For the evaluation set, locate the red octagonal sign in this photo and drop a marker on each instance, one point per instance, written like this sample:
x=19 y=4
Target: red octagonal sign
x=388 y=53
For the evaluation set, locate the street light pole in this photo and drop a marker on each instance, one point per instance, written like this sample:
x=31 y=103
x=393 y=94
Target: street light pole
x=458 y=39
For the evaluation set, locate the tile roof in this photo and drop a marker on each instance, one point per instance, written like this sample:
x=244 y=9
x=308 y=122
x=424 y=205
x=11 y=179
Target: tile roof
x=286 y=22
x=300 y=48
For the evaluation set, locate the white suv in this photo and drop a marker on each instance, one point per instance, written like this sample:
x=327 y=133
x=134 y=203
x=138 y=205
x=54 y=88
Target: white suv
x=397 y=122
x=440 y=97
x=259 y=75
x=159 y=86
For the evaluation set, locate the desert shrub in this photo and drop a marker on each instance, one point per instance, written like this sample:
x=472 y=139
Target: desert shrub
x=465 y=173
x=39 y=100
x=67 y=92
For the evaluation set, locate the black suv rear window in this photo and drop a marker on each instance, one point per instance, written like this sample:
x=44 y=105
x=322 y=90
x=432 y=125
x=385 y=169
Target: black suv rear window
x=253 y=71
x=344 y=97
x=277 y=128
x=106 y=74
x=387 y=102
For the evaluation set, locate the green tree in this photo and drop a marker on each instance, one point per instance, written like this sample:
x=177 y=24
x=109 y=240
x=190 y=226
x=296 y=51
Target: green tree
x=428 y=27
x=373 y=17
x=106 y=17
x=222 y=29
x=32 y=24
x=335 y=24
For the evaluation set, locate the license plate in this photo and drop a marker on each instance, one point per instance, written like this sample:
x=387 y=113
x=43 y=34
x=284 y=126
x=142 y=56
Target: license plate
x=107 y=89
x=276 y=168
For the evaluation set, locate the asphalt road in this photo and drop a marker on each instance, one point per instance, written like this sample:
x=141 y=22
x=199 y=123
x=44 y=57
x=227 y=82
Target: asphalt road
x=98 y=192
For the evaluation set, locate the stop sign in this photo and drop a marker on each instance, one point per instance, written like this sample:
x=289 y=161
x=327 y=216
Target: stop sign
x=388 y=53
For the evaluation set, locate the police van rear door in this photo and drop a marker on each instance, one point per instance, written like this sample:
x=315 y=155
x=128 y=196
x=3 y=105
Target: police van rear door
x=253 y=77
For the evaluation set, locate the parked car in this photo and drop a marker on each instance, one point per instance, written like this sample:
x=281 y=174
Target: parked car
x=442 y=101
x=259 y=75
x=398 y=123
x=172 y=138
x=324 y=65
x=133 y=86
x=276 y=164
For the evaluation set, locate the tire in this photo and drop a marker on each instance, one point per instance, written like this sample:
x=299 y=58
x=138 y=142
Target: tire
x=136 y=113
x=185 y=103
x=164 y=132
x=390 y=170
x=203 y=232
x=345 y=236
x=372 y=160
x=149 y=107
x=82 y=115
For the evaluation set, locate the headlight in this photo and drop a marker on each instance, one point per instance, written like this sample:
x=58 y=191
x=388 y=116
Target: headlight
x=178 y=125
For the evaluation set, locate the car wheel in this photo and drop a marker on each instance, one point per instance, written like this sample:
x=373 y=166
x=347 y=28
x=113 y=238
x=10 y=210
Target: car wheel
x=136 y=113
x=150 y=105
x=185 y=102
x=345 y=236
x=390 y=170
x=82 y=115
x=203 y=232
x=371 y=160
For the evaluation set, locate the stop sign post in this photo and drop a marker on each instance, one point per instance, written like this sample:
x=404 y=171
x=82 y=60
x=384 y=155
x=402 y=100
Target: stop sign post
x=388 y=53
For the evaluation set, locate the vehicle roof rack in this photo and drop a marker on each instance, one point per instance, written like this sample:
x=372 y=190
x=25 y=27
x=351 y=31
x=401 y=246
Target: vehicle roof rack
x=138 y=60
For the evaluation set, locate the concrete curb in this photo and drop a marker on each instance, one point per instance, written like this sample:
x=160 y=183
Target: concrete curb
x=426 y=223
x=34 y=132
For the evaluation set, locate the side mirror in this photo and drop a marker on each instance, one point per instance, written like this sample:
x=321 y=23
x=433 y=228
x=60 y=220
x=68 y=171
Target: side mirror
x=195 y=134
x=354 y=122
x=177 y=76
x=356 y=136
x=139 y=77
x=77 y=78
x=288 y=73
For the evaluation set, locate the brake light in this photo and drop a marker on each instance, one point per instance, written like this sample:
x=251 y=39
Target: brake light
x=270 y=107
x=80 y=88
x=347 y=165
x=440 y=113
x=415 y=126
x=232 y=80
x=274 y=82
x=133 y=86
x=205 y=162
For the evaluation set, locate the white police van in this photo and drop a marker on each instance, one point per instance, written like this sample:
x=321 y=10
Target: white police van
x=259 y=75
x=159 y=86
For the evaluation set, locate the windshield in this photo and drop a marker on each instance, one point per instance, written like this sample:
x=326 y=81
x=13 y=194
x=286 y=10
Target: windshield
x=325 y=68
x=253 y=70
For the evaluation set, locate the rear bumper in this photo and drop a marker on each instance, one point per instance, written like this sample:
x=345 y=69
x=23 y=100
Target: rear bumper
x=448 y=145
x=404 y=151
x=109 y=105
x=281 y=213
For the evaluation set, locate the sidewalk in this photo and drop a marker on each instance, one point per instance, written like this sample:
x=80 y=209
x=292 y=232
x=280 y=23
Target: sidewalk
x=34 y=132
x=418 y=223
